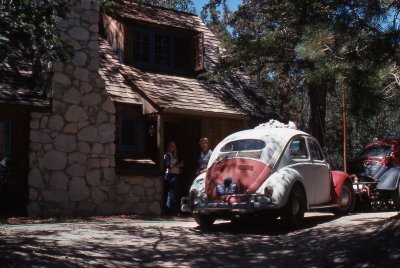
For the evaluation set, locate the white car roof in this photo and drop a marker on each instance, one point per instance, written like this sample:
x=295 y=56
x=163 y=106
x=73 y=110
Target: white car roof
x=278 y=137
x=284 y=134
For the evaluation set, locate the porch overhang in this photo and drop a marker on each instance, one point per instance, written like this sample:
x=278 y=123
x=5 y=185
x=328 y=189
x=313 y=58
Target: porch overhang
x=178 y=111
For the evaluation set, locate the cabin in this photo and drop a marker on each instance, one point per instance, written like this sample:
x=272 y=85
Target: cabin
x=94 y=144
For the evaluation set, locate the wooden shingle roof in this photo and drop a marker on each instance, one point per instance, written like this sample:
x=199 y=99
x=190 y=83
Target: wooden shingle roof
x=234 y=96
x=111 y=71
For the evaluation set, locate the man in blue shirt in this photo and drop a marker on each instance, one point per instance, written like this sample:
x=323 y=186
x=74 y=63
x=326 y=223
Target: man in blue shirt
x=204 y=156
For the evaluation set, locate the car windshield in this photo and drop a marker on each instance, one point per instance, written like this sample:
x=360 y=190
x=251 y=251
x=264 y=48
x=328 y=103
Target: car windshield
x=246 y=148
x=375 y=151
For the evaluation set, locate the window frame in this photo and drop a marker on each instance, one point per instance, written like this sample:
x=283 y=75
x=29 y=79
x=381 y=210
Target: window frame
x=311 y=140
x=152 y=49
x=135 y=148
x=307 y=158
x=171 y=48
x=141 y=31
x=8 y=142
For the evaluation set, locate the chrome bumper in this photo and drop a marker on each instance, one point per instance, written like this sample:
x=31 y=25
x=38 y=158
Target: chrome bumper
x=252 y=203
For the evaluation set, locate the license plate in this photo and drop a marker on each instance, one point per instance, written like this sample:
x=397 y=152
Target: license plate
x=223 y=190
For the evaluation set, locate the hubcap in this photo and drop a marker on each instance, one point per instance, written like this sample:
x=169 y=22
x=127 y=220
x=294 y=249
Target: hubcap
x=345 y=197
x=295 y=206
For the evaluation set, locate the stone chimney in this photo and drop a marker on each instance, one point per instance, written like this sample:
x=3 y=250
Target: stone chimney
x=72 y=148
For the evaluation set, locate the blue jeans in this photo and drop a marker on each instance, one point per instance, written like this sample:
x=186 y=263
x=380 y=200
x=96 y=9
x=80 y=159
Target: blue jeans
x=171 y=185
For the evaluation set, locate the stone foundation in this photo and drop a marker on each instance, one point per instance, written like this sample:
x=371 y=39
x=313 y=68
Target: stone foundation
x=139 y=195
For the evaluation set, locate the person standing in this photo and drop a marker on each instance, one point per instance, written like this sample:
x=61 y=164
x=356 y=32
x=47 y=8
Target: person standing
x=204 y=156
x=172 y=168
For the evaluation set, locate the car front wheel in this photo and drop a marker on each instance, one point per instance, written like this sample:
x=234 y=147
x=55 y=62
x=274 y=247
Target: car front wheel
x=204 y=220
x=348 y=200
x=293 y=212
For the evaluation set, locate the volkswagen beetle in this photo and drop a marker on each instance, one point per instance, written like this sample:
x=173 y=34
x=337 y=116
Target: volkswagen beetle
x=273 y=169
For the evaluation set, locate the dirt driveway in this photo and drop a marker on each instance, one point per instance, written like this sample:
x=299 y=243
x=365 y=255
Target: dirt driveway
x=325 y=241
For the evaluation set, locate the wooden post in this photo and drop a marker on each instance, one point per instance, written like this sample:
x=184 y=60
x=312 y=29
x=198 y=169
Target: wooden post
x=344 y=127
x=160 y=140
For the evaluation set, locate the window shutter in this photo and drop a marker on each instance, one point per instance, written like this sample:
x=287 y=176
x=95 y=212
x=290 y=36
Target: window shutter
x=198 y=46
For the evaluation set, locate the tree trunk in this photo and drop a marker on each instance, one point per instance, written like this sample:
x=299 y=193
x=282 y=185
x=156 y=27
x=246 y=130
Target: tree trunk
x=313 y=111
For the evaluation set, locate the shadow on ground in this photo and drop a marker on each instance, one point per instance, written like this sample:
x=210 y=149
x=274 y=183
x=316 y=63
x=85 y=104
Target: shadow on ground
x=324 y=241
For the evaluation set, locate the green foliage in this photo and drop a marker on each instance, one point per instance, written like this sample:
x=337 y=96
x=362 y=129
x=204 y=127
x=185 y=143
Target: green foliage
x=180 y=5
x=29 y=28
x=29 y=35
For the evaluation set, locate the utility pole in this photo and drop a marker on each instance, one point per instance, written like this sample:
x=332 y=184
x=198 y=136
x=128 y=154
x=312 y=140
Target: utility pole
x=344 y=127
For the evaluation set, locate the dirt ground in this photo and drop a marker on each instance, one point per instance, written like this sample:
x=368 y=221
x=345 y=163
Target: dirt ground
x=358 y=240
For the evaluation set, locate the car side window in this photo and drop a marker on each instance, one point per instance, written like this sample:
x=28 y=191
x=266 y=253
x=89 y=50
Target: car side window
x=315 y=151
x=298 y=149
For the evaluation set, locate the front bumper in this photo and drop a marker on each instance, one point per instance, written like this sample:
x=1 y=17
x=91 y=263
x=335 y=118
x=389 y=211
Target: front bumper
x=252 y=203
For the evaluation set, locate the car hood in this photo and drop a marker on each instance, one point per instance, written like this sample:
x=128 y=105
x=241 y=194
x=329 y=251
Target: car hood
x=247 y=174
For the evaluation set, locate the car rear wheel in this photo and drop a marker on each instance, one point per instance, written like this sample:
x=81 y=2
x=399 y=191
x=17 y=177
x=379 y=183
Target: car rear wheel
x=293 y=212
x=348 y=200
x=203 y=220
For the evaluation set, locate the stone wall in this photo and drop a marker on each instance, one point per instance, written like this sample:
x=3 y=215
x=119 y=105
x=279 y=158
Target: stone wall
x=139 y=195
x=72 y=148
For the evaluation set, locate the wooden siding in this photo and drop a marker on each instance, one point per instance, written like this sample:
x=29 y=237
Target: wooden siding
x=114 y=32
x=216 y=129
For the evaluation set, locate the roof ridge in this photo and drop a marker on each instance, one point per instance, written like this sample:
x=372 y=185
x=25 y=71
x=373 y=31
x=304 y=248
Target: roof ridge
x=160 y=7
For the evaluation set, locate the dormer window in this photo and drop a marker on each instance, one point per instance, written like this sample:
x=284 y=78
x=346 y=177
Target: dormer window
x=152 y=48
x=155 y=49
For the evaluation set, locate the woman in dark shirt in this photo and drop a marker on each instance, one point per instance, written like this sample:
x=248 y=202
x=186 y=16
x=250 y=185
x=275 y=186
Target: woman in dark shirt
x=172 y=166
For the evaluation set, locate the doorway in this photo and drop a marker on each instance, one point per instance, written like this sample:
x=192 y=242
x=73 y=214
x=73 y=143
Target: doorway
x=186 y=133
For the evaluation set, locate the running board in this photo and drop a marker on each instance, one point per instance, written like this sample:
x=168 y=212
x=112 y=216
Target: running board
x=315 y=207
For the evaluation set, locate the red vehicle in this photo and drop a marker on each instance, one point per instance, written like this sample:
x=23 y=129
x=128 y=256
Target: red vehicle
x=376 y=173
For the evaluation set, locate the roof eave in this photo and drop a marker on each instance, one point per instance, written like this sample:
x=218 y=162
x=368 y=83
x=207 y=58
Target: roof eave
x=180 y=111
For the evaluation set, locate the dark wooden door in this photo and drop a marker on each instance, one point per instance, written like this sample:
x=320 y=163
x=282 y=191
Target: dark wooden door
x=189 y=135
x=186 y=133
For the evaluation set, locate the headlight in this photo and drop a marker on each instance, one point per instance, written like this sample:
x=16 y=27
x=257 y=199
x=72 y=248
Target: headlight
x=268 y=191
x=354 y=178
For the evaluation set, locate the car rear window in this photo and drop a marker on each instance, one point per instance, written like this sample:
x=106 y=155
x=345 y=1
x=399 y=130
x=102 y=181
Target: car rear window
x=375 y=151
x=246 y=148
x=243 y=145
